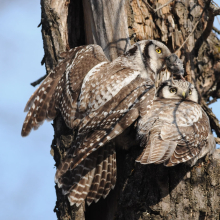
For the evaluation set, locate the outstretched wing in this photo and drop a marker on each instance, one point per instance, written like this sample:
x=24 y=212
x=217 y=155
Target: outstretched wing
x=177 y=134
x=61 y=88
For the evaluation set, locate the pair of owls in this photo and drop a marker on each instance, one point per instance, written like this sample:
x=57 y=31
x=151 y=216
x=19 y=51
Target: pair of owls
x=101 y=99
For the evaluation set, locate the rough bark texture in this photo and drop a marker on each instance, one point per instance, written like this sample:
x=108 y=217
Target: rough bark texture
x=158 y=192
x=153 y=191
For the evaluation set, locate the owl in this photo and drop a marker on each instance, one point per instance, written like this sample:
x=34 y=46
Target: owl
x=101 y=100
x=177 y=129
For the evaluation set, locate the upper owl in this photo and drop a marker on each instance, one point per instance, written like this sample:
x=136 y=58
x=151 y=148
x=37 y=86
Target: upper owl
x=148 y=56
x=85 y=80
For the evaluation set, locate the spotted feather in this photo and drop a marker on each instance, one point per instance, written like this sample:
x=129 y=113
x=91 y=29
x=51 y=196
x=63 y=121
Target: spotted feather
x=93 y=178
x=176 y=130
x=100 y=100
x=61 y=88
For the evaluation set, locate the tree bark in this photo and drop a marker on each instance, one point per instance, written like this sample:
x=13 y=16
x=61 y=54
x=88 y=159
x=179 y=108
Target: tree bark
x=142 y=191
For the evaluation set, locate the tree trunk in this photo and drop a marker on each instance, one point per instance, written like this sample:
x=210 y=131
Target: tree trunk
x=142 y=191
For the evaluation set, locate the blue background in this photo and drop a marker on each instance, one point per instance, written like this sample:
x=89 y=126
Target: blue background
x=27 y=168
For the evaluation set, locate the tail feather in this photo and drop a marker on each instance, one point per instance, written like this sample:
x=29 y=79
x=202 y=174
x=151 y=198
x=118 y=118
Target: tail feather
x=103 y=175
x=97 y=177
x=79 y=191
x=92 y=179
x=157 y=150
x=168 y=153
x=111 y=175
x=108 y=180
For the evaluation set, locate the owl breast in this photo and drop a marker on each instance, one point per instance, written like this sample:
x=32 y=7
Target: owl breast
x=180 y=113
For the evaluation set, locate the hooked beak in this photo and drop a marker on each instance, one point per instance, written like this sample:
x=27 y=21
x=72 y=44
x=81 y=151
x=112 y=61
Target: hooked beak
x=184 y=95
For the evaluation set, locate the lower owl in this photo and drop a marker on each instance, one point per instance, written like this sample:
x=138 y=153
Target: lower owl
x=173 y=129
x=177 y=129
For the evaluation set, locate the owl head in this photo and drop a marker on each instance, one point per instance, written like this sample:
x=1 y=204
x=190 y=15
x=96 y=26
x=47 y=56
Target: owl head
x=148 y=54
x=155 y=54
x=150 y=57
x=177 y=89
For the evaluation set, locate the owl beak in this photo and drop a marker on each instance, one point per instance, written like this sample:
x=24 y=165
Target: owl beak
x=184 y=95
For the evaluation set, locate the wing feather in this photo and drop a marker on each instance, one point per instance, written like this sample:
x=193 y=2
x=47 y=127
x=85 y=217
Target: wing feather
x=103 y=83
x=100 y=129
x=61 y=88
x=38 y=104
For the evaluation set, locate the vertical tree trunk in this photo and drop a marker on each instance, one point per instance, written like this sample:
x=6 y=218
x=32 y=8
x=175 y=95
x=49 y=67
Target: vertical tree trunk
x=152 y=191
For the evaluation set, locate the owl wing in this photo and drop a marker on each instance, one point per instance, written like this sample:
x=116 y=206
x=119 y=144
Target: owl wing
x=111 y=119
x=177 y=135
x=193 y=133
x=61 y=88
x=103 y=83
x=100 y=127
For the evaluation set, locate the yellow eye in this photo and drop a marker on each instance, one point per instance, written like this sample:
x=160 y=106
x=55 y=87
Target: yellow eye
x=158 y=50
x=173 y=90
x=190 y=91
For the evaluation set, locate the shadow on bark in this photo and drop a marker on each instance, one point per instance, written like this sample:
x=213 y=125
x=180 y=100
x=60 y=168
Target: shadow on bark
x=138 y=188
x=75 y=21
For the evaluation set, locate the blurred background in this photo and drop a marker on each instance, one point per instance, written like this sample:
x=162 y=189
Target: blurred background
x=27 y=180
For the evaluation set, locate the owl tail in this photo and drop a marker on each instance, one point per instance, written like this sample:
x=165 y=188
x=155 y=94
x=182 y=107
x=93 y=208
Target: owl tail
x=92 y=179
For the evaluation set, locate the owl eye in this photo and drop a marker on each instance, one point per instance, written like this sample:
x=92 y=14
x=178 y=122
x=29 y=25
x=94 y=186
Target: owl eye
x=158 y=50
x=173 y=90
x=190 y=91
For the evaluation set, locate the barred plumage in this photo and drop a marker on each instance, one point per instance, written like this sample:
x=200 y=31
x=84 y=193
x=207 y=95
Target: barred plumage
x=101 y=99
x=93 y=178
x=177 y=129
x=61 y=88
